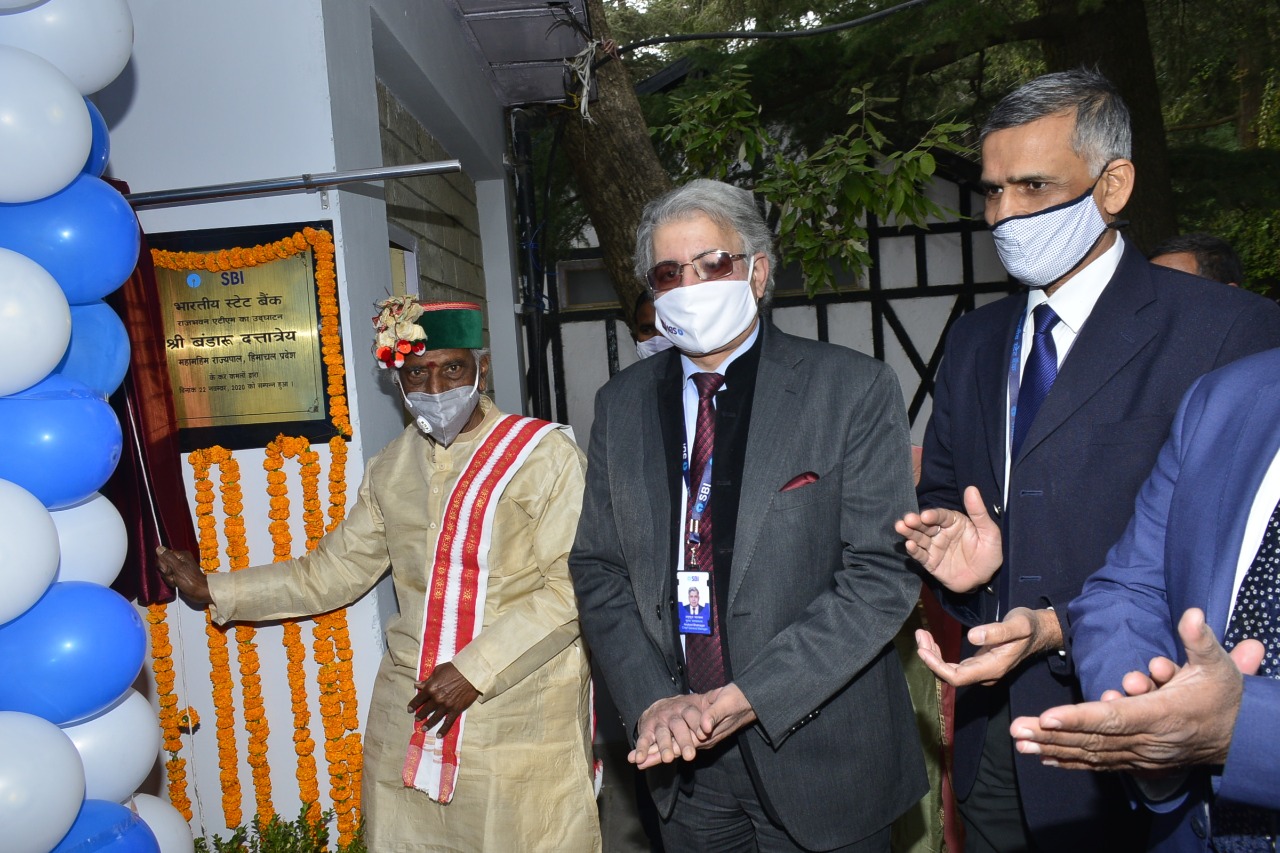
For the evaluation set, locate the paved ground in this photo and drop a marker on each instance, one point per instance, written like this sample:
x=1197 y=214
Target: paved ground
x=619 y=820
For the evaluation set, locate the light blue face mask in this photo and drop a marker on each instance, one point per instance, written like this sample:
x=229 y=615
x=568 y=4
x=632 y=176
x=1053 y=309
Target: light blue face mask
x=1039 y=248
x=442 y=416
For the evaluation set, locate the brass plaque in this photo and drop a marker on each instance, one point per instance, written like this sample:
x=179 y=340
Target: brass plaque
x=243 y=345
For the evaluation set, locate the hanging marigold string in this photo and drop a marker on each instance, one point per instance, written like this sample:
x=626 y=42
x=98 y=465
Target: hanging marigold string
x=219 y=660
x=255 y=717
x=170 y=718
x=344 y=750
x=330 y=331
x=295 y=652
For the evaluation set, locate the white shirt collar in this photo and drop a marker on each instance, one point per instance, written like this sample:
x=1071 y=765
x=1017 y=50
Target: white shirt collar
x=1074 y=301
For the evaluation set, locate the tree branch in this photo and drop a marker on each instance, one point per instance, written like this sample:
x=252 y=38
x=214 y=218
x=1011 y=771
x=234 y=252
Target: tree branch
x=1203 y=125
x=1042 y=27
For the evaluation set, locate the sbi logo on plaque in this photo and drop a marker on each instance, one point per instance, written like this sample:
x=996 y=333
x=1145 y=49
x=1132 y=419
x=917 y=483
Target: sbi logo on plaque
x=227 y=278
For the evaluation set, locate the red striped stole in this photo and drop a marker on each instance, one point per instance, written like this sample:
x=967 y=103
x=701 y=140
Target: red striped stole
x=455 y=601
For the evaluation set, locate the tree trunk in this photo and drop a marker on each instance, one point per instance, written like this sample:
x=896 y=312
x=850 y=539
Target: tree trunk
x=615 y=166
x=1114 y=37
x=1251 y=68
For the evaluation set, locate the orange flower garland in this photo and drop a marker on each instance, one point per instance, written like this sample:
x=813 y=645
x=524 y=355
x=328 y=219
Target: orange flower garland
x=171 y=722
x=255 y=717
x=330 y=332
x=295 y=652
x=228 y=765
x=334 y=625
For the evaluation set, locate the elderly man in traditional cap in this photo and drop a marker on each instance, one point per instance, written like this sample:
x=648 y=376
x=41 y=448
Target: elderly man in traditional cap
x=478 y=737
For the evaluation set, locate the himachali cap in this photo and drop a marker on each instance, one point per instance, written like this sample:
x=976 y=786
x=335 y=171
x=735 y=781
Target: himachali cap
x=404 y=325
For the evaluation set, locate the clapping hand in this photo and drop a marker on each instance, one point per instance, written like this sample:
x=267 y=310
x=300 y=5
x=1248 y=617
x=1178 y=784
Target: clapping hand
x=961 y=551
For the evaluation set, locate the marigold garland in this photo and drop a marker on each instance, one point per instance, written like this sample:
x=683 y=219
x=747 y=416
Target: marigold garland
x=255 y=717
x=171 y=721
x=219 y=660
x=295 y=652
x=350 y=751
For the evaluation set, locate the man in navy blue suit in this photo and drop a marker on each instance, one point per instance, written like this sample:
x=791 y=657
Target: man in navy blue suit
x=1050 y=407
x=1206 y=520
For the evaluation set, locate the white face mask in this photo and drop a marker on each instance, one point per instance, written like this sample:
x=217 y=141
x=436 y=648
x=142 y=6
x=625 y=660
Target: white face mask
x=1039 y=248
x=702 y=318
x=442 y=416
x=653 y=346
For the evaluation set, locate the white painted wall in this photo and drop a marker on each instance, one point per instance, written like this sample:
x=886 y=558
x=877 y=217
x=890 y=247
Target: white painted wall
x=423 y=58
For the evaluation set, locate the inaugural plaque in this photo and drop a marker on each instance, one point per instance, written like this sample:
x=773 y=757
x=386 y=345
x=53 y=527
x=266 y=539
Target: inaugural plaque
x=243 y=345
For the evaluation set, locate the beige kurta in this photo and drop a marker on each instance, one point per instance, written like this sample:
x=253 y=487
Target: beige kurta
x=525 y=780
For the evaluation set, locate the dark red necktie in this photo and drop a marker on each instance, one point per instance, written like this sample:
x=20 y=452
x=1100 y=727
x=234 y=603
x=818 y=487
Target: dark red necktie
x=703 y=653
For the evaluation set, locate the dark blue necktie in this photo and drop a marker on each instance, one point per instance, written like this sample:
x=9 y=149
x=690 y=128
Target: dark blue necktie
x=1256 y=615
x=1037 y=379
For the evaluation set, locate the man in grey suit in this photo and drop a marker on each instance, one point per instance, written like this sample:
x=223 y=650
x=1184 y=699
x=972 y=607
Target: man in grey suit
x=788 y=726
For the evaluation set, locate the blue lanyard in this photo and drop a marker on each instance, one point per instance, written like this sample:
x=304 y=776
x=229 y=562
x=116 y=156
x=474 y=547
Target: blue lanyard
x=700 y=498
x=1015 y=376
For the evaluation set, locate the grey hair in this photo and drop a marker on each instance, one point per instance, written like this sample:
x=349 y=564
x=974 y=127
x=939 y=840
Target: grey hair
x=729 y=207
x=1102 y=131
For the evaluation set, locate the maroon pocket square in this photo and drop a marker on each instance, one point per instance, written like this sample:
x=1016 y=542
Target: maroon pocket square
x=800 y=480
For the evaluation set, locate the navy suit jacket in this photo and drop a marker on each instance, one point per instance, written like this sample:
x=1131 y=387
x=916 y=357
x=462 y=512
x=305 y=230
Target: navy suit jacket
x=1180 y=551
x=1152 y=333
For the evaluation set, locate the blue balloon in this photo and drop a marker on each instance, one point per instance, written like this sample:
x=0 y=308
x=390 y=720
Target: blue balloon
x=59 y=440
x=100 y=147
x=77 y=650
x=86 y=236
x=106 y=827
x=98 y=354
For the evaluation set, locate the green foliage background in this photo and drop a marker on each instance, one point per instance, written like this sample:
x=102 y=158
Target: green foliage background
x=944 y=65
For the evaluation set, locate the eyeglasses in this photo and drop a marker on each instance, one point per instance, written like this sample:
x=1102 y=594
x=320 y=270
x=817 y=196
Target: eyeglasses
x=708 y=266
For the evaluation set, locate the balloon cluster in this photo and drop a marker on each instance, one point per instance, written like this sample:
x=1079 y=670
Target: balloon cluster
x=75 y=739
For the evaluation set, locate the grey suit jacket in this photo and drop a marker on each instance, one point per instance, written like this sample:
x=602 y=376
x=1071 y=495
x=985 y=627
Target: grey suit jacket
x=819 y=582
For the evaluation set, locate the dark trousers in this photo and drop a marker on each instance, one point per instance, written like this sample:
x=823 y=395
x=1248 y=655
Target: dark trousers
x=992 y=812
x=721 y=812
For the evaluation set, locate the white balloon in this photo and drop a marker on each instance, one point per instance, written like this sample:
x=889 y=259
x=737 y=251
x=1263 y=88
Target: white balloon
x=46 y=133
x=87 y=40
x=41 y=783
x=9 y=6
x=93 y=541
x=35 y=320
x=118 y=747
x=28 y=553
x=170 y=827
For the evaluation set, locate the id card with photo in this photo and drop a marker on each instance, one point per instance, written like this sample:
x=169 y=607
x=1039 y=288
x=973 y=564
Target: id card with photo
x=693 y=602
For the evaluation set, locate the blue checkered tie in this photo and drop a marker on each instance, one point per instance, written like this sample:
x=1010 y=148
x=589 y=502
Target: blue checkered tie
x=1037 y=379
